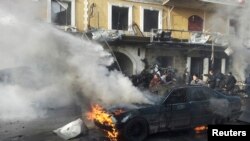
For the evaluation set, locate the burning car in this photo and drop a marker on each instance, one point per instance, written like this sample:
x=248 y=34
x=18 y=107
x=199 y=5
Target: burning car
x=180 y=108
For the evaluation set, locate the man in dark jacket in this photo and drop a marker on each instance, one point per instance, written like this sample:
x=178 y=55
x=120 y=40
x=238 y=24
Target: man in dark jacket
x=230 y=82
x=219 y=80
x=211 y=80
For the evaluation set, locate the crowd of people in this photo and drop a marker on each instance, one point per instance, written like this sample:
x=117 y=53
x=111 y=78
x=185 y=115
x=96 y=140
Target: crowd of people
x=217 y=81
x=154 y=77
x=157 y=77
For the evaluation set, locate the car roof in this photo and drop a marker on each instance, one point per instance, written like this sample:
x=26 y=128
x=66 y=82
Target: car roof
x=186 y=86
x=175 y=87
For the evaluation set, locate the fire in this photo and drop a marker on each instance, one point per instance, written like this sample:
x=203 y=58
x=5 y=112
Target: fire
x=200 y=129
x=100 y=115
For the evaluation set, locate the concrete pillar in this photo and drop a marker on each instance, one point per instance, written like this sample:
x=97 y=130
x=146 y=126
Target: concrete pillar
x=205 y=67
x=188 y=65
x=85 y=15
x=223 y=65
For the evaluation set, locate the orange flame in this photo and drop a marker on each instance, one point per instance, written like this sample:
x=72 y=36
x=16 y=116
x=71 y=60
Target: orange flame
x=100 y=115
x=200 y=129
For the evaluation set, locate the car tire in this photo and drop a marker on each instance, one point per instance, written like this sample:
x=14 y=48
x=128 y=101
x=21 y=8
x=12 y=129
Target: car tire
x=135 y=130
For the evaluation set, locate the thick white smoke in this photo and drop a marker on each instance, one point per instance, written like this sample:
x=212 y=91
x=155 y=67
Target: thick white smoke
x=239 y=42
x=43 y=67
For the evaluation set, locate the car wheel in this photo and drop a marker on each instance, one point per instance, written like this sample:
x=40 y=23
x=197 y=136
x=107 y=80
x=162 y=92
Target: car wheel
x=135 y=130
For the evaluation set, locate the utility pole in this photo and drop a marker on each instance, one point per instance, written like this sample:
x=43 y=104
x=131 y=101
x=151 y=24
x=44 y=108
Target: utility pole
x=212 y=54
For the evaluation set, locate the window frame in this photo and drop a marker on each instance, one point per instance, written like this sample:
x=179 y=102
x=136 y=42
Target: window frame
x=197 y=17
x=73 y=12
x=171 y=93
x=201 y=89
x=130 y=15
x=160 y=22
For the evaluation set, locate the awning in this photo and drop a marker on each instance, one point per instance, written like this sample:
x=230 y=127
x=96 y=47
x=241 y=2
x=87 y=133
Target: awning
x=226 y=2
x=202 y=4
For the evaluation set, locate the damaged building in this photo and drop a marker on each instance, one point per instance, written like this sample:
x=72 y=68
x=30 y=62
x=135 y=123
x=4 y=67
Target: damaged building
x=171 y=33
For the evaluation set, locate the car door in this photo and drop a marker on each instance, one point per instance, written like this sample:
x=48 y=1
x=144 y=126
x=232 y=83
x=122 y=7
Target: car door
x=180 y=109
x=165 y=117
x=199 y=105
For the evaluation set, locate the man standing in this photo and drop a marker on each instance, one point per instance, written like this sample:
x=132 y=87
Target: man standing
x=230 y=82
x=196 y=80
x=220 y=80
x=155 y=83
x=211 y=81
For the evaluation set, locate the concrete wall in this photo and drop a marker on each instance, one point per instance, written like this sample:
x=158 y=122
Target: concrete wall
x=100 y=13
x=175 y=19
x=132 y=53
x=80 y=14
x=179 y=20
x=179 y=59
x=183 y=59
x=212 y=21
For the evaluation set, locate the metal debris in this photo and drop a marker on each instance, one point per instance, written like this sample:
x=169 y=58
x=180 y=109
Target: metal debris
x=72 y=130
x=199 y=38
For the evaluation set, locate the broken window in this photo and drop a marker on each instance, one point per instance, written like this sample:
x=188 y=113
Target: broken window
x=198 y=94
x=177 y=96
x=165 y=61
x=61 y=12
x=195 y=23
x=120 y=18
x=151 y=20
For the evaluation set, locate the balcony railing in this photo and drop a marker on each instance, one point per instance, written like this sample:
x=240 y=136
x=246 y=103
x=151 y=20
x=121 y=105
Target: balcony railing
x=183 y=36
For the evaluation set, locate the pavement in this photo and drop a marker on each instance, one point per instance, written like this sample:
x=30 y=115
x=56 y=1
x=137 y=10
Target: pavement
x=39 y=129
x=42 y=131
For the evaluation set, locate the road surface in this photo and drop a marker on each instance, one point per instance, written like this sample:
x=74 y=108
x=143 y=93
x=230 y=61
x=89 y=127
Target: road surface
x=41 y=129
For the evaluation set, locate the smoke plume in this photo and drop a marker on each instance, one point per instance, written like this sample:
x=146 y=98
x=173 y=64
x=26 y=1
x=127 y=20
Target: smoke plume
x=239 y=37
x=41 y=67
x=241 y=44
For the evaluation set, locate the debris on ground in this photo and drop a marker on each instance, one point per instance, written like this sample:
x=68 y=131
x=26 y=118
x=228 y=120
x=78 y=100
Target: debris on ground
x=72 y=130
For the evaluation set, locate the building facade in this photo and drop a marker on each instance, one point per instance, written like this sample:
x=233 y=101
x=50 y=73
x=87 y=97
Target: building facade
x=182 y=19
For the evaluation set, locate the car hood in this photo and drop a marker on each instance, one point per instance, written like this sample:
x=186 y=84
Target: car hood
x=124 y=108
